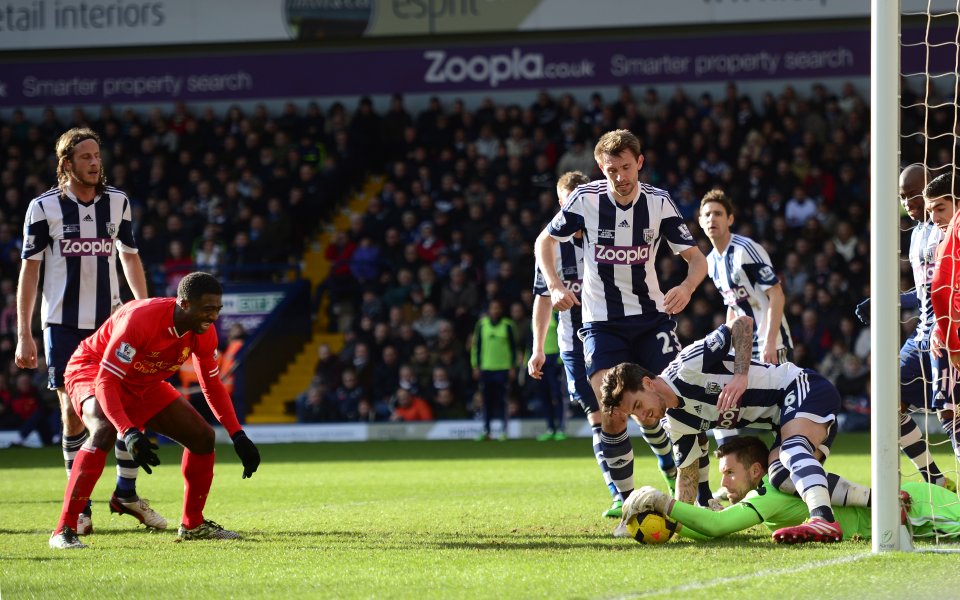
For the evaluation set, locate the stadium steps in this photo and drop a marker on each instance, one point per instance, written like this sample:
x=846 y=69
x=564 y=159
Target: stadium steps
x=272 y=407
x=294 y=381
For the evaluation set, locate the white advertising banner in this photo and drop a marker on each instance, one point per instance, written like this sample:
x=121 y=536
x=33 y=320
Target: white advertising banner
x=30 y=24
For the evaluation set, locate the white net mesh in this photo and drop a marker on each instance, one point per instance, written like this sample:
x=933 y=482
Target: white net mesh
x=930 y=61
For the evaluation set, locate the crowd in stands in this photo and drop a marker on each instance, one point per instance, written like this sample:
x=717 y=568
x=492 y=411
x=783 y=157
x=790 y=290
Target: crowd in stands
x=464 y=195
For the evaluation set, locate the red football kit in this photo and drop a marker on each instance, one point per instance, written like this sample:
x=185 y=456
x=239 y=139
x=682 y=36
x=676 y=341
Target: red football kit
x=126 y=361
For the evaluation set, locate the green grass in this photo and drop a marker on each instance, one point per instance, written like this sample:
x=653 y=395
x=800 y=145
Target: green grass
x=421 y=520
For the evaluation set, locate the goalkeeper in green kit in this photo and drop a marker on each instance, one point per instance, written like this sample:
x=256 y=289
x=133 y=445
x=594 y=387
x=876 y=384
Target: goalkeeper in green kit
x=928 y=510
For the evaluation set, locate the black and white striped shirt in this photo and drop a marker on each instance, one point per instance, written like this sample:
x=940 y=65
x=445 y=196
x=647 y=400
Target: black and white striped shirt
x=78 y=243
x=620 y=246
x=923 y=257
x=700 y=372
x=570 y=270
x=743 y=273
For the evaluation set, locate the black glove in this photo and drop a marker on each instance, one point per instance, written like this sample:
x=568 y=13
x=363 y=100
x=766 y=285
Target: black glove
x=248 y=453
x=141 y=449
x=863 y=311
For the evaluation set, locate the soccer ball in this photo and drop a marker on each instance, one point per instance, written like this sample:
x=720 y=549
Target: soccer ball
x=651 y=527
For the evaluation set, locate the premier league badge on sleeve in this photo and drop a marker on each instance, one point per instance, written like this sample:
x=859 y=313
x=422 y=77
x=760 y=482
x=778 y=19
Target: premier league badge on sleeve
x=125 y=353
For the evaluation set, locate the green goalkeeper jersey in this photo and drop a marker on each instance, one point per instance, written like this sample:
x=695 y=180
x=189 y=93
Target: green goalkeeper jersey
x=933 y=511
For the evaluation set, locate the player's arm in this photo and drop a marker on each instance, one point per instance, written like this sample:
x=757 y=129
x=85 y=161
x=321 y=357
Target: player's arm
x=36 y=238
x=688 y=479
x=677 y=298
x=774 y=318
x=542 y=312
x=26 y=352
x=114 y=366
x=129 y=258
x=701 y=523
x=741 y=334
x=133 y=271
x=208 y=375
x=546 y=250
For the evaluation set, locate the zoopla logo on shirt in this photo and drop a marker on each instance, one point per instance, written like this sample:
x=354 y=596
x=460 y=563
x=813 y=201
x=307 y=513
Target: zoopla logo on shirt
x=496 y=68
x=621 y=255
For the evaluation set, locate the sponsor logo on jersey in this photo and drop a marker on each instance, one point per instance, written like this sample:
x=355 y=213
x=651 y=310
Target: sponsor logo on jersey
x=728 y=419
x=735 y=295
x=86 y=247
x=88 y=219
x=625 y=224
x=574 y=285
x=125 y=353
x=621 y=255
x=649 y=235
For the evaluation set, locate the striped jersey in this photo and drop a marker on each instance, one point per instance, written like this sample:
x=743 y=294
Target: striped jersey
x=570 y=270
x=620 y=246
x=923 y=258
x=78 y=243
x=700 y=372
x=743 y=273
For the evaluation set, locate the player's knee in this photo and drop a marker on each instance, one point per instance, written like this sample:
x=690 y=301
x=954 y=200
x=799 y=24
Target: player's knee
x=72 y=425
x=103 y=435
x=202 y=441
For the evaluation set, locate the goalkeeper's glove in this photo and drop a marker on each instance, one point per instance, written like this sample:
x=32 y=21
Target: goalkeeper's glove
x=248 y=453
x=141 y=449
x=863 y=311
x=645 y=498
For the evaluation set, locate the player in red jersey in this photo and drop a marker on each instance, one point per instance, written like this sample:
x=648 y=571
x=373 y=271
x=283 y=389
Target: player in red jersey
x=940 y=201
x=116 y=381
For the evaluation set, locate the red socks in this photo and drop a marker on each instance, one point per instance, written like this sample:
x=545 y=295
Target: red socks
x=86 y=471
x=197 y=472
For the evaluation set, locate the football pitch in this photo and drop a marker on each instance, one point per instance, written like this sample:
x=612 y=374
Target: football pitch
x=515 y=519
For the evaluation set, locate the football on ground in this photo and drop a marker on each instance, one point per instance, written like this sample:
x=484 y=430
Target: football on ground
x=651 y=527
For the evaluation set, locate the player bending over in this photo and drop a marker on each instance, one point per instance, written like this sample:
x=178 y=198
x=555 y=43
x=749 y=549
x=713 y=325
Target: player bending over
x=930 y=510
x=116 y=380
x=706 y=388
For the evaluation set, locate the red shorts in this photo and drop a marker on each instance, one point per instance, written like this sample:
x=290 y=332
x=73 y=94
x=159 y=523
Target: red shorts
x=140 y=405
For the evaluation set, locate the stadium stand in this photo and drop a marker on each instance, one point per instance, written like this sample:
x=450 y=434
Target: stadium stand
x=406 y=223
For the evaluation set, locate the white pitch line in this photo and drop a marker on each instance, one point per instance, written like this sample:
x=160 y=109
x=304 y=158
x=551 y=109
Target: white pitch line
x=692 y=587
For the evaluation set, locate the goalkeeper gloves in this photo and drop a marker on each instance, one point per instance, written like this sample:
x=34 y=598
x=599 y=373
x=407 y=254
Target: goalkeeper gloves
x=248 y=453
x=141 y=449
x=646 y=498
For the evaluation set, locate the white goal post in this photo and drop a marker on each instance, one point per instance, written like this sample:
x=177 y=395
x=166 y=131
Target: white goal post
x=884 y=278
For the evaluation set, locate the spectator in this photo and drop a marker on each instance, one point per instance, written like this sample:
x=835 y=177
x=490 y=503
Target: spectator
x=408 y=407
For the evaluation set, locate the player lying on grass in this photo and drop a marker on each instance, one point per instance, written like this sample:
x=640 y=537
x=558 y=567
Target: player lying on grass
x=116 y=380
x=930 y=510
x=706 y=387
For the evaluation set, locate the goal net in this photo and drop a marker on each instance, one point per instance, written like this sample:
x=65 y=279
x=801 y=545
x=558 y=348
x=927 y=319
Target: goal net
x=924 y=138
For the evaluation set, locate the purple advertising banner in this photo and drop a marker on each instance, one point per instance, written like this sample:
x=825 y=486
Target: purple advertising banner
x=427 y=69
